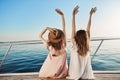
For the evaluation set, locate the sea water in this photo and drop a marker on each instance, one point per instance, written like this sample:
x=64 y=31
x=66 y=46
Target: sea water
x=29 y=58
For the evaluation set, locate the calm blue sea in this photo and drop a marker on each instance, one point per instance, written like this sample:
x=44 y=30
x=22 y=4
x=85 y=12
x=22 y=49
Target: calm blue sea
x=29 y=58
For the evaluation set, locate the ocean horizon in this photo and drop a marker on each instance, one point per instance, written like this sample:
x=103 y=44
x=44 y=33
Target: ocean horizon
x=29 y=58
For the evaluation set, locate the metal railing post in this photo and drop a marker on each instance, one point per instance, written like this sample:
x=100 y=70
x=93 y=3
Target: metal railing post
x=97 y=49
x=4 y=58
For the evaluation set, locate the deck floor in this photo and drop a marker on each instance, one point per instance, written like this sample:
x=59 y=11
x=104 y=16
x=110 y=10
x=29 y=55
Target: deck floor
x=34 y=76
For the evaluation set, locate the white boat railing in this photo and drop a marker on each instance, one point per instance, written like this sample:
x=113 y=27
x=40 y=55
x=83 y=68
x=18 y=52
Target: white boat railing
x=30 y=42
x=37 y=73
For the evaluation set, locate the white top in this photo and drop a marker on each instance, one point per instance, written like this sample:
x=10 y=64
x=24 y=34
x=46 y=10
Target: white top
x=80 y=66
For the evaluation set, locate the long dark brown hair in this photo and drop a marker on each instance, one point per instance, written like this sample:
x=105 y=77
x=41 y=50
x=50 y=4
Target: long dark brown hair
x=56 y=39
x=81 y=40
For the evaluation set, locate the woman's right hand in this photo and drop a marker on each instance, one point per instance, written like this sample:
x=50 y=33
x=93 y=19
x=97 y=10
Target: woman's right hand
x=75 y=10
x=93 y=10
x=51 y=29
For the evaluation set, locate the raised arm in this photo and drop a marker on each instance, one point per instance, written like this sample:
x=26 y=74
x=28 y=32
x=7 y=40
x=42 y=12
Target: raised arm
x=41 y=37
x=42 y=33
x=75 y=11
x=93 y=10
x=63 y=21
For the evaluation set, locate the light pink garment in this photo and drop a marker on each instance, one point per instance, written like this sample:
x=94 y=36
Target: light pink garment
x=55 y=66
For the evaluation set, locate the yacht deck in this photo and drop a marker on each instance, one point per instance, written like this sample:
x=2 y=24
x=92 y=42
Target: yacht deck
x=99 y=75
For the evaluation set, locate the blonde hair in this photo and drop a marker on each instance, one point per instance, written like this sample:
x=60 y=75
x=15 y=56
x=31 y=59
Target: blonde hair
x=81 y=40
x=56 y=39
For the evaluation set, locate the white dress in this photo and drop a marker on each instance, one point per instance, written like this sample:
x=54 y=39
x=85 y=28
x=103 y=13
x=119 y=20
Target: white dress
x=80 y=66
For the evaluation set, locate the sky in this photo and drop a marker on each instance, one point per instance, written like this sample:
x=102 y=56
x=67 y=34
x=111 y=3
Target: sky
x=25 y=19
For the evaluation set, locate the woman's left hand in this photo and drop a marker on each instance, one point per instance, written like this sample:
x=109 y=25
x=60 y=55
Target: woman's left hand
x=59 y=11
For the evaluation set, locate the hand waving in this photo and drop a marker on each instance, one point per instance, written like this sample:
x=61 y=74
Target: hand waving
x=75 y=10
x=59 y=11
x=93 y=10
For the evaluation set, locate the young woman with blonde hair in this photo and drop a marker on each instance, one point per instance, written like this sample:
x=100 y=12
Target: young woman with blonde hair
x=55 y=65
